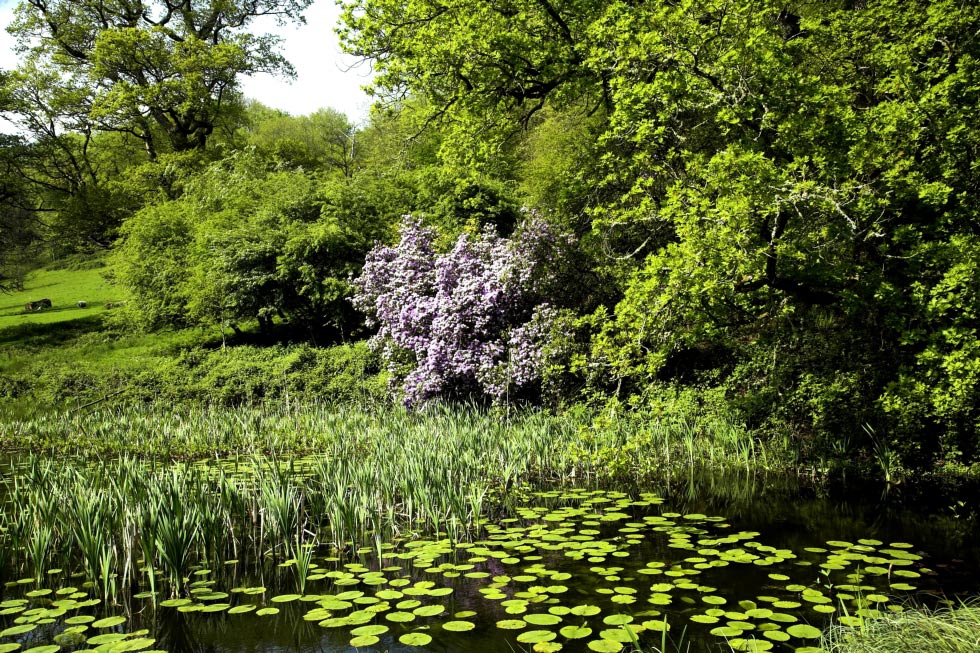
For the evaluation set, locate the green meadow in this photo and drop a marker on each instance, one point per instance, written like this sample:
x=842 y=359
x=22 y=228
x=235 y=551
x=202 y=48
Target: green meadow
x=65 y=287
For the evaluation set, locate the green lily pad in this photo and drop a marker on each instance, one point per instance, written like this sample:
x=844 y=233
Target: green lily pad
x=726 y=631
x=605 y=646
x=704 y=619
x=776 y=635
x=375 y=629
x=80 y=619
x=285 y=598
x=107 y=638
x=241 y=609
x=750 y=645
x=458 y=626
x=542 y=619
x=535 y=636
x=108 y=622
x=364 y=640
x=575 y=632
x=803 y=631
x=135 y=644
x=17 y=630
x=415 y=639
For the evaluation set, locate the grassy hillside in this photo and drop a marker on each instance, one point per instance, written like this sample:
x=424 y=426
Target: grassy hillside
x=69 y=356
x=65 y=287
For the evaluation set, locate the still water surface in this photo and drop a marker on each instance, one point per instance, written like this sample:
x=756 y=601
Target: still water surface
x=737 y=560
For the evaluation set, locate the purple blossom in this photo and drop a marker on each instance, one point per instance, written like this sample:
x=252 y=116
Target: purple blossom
x=472 y=320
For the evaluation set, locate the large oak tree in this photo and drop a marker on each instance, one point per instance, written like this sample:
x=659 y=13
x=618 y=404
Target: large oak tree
x=160 y=70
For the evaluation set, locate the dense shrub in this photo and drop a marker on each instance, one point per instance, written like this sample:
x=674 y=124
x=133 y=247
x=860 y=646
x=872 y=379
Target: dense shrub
x=231 y=376
x=468 y=322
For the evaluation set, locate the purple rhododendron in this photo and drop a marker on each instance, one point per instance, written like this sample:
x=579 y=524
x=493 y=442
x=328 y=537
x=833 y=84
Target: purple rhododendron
x=472 y=320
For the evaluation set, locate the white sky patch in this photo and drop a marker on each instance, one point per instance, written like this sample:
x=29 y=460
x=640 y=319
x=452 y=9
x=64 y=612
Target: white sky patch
x=325 y=77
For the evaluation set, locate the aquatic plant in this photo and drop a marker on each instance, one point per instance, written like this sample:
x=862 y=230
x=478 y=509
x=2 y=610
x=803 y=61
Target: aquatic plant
x=953 y=629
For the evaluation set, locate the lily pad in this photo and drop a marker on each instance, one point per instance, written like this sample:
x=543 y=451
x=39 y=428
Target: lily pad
x=375 y=629
x=458 y=626
x=415 y=639
x=240 y=609
x=535 y=636
x=17 y=630
x=803 y=631
x=364 y=640
x=605 y=646
x=108 y=622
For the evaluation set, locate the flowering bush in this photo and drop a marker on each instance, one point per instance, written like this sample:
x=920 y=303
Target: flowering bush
x=470 y=321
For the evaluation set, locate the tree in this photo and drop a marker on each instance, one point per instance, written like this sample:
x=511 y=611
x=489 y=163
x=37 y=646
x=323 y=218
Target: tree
x=249 y=240
x=18 y=225
x=160 y=70
x=324 y=140
x=784 y=192
x=483 y=68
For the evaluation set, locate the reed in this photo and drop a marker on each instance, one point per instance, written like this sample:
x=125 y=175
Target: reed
x=950 y=630
x=268 y=481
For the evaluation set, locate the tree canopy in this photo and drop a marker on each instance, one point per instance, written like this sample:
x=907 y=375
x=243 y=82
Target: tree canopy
x=159 y=70
x=783 y=194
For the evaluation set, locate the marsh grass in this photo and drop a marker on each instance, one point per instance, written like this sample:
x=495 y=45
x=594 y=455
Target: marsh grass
x=145 y=487
x=948 y=630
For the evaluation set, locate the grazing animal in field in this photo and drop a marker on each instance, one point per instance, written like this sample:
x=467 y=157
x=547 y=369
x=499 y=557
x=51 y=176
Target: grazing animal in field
x=39 y=305
x=82 y=304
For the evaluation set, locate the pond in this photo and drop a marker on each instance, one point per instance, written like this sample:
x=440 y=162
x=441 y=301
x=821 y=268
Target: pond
x=705 y=563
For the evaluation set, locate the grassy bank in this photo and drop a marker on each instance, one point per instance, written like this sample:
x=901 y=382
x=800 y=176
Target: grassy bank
x=66 y=284
x=955 y=630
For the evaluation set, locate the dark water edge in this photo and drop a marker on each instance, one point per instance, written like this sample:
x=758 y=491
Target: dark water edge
x=941 y=517
x=940 y=521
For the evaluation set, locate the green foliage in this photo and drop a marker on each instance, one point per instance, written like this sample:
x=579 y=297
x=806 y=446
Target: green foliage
x=18 y=226
x=77 y=362
x=783 y=196
x=324 y=140
x=246 y=241
x=955 y=630
x=160 y=71
x=152 y=264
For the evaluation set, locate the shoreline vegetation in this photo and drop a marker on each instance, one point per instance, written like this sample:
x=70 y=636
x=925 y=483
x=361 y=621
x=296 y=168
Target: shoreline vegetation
x=587 y=244
x=77 y=390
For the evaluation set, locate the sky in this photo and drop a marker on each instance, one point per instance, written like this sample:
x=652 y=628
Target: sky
x=325 y=76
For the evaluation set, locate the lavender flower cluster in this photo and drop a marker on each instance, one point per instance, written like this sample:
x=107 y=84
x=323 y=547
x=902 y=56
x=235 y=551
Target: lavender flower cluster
x=472 y=320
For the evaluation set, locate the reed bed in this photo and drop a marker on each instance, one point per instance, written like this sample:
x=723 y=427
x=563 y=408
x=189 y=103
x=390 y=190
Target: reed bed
x=599 y=441
x=139 y=492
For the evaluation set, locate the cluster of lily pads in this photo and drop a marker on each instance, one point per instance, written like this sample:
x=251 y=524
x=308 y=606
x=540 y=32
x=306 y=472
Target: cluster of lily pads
x=567 y=569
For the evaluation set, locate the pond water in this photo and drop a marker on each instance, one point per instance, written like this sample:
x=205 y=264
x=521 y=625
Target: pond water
x=709 y=563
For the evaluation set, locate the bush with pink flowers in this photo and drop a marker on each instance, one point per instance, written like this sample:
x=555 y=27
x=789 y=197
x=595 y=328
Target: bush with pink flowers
x=470 y=322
